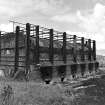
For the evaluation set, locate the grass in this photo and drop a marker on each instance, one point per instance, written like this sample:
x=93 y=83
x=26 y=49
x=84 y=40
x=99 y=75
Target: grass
x=32 y=93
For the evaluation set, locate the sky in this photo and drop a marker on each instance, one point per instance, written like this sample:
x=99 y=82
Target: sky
x=81 y=17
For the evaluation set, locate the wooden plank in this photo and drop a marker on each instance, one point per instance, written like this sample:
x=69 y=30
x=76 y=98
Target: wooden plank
x=10 y=57
x=11 y=65
x=4 y=60
x=51 y=50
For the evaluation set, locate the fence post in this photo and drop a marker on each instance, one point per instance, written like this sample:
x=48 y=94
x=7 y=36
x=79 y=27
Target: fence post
x=37 y=45
x=51 y=52
x=82 y=49
x=64 y=47
x=16 y=49
x=74 y=49
x=27 y=47
x=0 y=46
x=94 y=49
x=89 y=49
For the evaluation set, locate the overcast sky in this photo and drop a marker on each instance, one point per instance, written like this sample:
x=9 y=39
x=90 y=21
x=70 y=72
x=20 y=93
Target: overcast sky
x=84 y=17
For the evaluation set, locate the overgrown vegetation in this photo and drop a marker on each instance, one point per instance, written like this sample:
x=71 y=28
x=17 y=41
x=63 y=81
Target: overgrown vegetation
x=89 y=92
x=6 y=95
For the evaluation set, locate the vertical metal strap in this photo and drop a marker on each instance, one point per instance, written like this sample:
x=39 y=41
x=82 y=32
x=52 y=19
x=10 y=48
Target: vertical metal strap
x=94 y=49
x=89 y=49
x=37 y=45
x=64 y=47
x=74 y=49
x=16 y=49
x=51 y=52
x=27 y=47
x=82 y=49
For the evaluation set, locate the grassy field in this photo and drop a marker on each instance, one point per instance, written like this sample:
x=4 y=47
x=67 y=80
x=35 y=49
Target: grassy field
x=87 y=92
x=39 y=94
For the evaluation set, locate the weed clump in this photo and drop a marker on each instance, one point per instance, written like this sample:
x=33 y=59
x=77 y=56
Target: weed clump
x=6 y=95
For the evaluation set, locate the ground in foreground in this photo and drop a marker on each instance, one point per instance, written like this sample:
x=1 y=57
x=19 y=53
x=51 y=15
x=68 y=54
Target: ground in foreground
x=85 y=92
